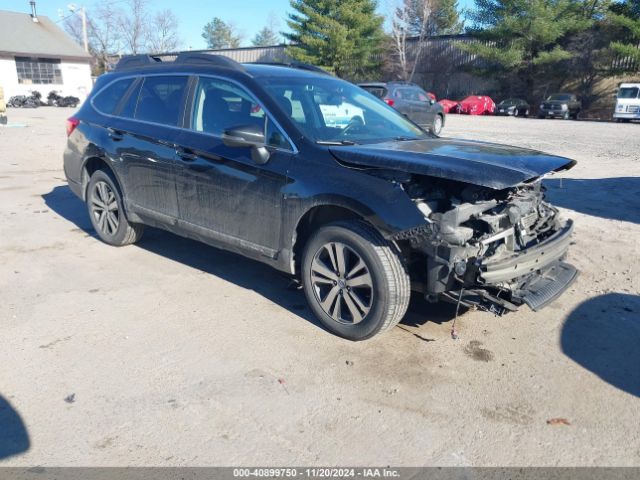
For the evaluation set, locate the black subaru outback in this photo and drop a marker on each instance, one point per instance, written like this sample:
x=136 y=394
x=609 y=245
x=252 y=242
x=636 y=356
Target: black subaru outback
x=319 y=179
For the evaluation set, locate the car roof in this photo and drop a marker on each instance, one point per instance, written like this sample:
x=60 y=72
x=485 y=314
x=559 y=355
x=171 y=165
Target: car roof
x=388 y=84
x=373 y=84
x=262 y=70
x=197 y=62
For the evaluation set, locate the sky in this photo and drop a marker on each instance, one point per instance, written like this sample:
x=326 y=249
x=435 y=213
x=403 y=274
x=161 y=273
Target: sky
x=249 y=16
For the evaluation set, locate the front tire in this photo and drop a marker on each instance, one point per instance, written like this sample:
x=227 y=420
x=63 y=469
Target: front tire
x=436 y=128
x=106 y=211
x=354 y=280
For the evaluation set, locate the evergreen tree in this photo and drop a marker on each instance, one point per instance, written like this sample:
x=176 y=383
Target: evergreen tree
x=266 y=37
x=447 y=18
x=444 y=17
x=624 y=20
x=219 y=34
x=525 y=37
x=340 y=35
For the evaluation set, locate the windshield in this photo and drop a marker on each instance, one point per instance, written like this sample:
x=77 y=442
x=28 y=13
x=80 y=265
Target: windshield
x=329 y=110
x=560 y=96
x=508 y=101
x=628 y=92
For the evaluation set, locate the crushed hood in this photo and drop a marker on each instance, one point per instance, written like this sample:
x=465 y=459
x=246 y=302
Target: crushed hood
x=479 y=163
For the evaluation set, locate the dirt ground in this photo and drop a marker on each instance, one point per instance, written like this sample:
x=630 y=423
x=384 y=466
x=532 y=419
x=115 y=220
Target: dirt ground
x=173 y=353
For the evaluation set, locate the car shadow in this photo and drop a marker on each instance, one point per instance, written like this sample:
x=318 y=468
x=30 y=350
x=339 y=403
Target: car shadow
x=14 y=438
x=603 y=335
x=249 y=274
x=615 y=198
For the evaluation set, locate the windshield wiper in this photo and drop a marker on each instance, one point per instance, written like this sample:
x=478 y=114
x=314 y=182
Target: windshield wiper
x=336 y=142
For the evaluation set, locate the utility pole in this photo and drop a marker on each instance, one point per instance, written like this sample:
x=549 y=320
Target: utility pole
x=83 y=13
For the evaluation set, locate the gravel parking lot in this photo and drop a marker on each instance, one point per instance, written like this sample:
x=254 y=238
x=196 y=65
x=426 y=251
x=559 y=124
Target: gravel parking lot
x=170 y=352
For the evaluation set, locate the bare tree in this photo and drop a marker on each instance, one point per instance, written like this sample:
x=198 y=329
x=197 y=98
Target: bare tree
x=103 y=32
x=410 y=18
x=133 y=26
x=131 y=31
x=163 y=34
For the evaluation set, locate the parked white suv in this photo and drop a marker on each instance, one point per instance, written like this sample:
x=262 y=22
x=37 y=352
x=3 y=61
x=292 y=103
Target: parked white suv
x=627 y=102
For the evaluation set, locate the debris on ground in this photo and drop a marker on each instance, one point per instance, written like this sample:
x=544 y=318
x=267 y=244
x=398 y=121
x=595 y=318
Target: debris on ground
x=558 y=421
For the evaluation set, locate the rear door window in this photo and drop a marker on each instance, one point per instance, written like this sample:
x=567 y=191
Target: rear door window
x=409 y=94
x=161 y=98
x=108 y=99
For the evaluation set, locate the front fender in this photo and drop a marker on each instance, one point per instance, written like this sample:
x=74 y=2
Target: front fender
x=381 y=202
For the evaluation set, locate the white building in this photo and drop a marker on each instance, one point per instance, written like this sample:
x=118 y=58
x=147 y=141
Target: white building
x=36 y=54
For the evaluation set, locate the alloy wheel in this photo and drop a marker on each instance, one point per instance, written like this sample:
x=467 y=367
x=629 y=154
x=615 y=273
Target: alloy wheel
x=437 y=125
x=342 y=283
x=104 y=208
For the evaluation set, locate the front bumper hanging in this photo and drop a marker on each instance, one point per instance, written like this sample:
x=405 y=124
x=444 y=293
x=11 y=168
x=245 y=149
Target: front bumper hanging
x=533 y=259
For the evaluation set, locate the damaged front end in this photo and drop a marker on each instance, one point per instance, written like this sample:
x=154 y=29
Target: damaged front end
x=486 y=248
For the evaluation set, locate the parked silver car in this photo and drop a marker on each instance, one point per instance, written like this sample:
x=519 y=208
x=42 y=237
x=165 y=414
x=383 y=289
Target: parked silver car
x=412 y=101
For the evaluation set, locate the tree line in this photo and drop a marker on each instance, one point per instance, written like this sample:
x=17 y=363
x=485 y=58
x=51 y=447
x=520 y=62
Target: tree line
x=526 y=45
x=522 y=44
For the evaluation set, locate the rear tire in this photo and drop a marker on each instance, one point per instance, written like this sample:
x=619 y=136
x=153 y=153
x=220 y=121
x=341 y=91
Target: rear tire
x=354 y=280
x=106 y=211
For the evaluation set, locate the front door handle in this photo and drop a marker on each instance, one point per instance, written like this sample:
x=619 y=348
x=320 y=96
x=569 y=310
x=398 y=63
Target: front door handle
x=115 y=135
x=186 y=155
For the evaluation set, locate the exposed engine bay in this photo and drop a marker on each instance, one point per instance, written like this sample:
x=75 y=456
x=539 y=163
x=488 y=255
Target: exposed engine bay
x=496 y=245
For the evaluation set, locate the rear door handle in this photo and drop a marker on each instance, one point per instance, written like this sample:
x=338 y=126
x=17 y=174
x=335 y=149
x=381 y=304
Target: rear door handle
x=114 y=134
x=186 y=155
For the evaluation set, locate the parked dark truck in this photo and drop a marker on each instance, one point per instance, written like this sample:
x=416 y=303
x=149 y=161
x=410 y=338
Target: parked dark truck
x=563 y=105
x=250 y=158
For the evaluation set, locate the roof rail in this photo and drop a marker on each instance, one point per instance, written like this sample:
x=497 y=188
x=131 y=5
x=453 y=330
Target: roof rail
x=136 y=61
x=207 y=59
x=186 y=58
x=298 y=65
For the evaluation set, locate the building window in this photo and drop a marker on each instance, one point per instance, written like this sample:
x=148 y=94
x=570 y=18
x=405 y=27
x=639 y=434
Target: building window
x=38 y=70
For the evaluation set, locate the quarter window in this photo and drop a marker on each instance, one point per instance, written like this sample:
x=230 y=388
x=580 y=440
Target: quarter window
x=107 y=100
x=160 y=99
x=43 y=71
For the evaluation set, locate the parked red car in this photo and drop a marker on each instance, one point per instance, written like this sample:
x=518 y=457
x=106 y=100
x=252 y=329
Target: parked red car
x=477 y=105
x=449 y=106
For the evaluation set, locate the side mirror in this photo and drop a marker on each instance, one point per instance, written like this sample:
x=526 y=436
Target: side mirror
x=431 y=101
x=251 y=136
